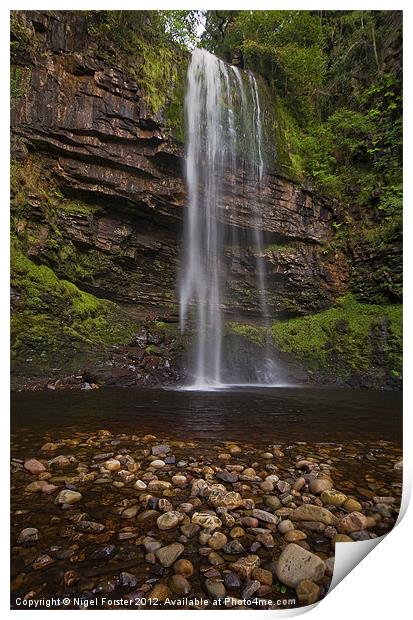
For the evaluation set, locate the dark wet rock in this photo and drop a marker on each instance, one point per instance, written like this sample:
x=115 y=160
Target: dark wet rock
x=105 y=552
x=160 y=449
x=232 y=580
x=106 y=585
x=28 y=535
x=147 y=515
x=90 y=526
x=190 y=529
x=160 y=593
x=179 y=585
x=227 y=476
x=215 y=589
x=234 y=546
x=127 y=580
x=42 y=562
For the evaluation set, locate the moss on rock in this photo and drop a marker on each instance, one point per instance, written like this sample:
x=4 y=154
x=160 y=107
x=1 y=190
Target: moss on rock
x=349 y=337
x=52 y=315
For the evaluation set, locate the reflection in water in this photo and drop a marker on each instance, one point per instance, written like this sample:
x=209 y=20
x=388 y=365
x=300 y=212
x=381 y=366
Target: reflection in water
x=253 y=414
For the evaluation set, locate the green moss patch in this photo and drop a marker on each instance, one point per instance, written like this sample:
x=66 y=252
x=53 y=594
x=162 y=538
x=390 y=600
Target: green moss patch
x=252 y=333
x=349 y=337
x=54 y=315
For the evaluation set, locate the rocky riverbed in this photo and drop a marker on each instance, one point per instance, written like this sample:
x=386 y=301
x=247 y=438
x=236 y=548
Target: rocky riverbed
x=103 y=519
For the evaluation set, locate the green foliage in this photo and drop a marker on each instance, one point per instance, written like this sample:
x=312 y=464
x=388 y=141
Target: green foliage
x=335 y=77
x=21 y=37
x=53 y=314
x=284 y=46
x=345 y=338
x=151 y=349
x=149 y=44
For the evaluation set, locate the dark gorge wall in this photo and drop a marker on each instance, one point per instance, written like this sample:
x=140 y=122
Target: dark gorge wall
x=98 y=200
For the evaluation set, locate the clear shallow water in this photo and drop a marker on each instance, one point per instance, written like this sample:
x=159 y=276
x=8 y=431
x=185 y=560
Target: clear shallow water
x=249 y=414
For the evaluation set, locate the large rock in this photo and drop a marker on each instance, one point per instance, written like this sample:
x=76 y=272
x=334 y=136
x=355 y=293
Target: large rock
x=309 y=512
x=320 y=484
x=265 y=516
x=169 y=520
x=296 y=564
x=34 y=466
x=68 y=497
x=167 y=555
x=206 y=520
x=230 y=499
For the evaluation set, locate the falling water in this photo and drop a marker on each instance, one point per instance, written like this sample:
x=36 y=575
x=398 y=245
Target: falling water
x=224 y=130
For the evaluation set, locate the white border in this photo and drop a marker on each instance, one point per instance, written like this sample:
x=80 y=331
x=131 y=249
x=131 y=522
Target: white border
x=379 y=587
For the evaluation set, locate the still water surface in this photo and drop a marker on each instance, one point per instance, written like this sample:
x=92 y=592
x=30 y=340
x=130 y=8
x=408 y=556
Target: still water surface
x=251 y=414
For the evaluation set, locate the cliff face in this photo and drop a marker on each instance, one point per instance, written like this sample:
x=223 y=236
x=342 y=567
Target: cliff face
x=99 y=195
x=101 y=145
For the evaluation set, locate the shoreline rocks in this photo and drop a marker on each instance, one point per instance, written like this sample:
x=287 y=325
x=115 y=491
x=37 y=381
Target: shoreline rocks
x=172 y=519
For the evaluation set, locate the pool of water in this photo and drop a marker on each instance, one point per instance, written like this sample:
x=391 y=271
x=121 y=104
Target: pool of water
x=251 y=414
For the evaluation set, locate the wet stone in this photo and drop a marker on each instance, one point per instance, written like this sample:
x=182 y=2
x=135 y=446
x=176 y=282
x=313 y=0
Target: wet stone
x=217 y=540
x=250 y=588
x=179 y=585
x=353 y=522
x=168 y=520
x=227 y=476
x=105 y=552
x=232 y=580
x=128 y=580
x=28 y=535
x=206 y=520
x=42 y=562
x=215 y=558
x=245 y=566
x=160 y=593
x=309 y=512
x=90 y=526
x=308 y=592
x=167 y=555
x=184 y=567
x=296 y=564
x=33 y=466
x=267 y=517
x=161 y=449
x=215 y=589
x=68 y=497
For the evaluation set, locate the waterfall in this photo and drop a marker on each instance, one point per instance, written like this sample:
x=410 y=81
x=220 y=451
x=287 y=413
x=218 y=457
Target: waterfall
x=223 y=132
